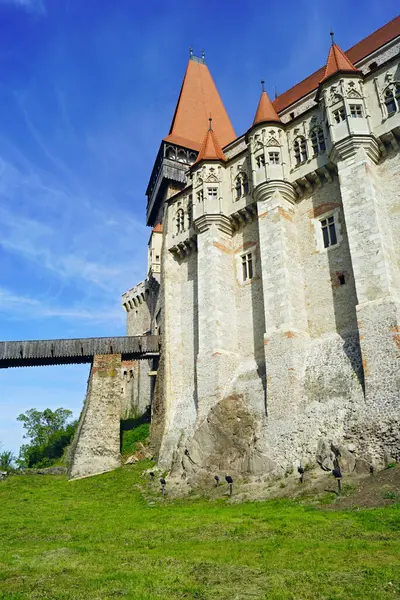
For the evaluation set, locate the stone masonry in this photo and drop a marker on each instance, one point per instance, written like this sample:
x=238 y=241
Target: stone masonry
x=274 y=275
x=96 y=447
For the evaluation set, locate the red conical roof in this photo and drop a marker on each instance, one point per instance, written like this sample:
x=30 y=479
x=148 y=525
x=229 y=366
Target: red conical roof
x=337 y=63
x=210 y=148
x=265 y=110
x=197 y=100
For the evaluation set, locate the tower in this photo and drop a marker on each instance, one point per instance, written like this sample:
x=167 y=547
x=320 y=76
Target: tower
x=198 y=99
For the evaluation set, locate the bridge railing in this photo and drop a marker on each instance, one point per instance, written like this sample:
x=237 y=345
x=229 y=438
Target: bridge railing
x=85 y=347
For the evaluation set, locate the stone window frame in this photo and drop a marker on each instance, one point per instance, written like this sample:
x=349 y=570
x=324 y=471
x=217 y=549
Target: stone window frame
x=212 y=192
x=318 y=233
x=391 y=96
x=339 y=114
x=274 y=157
x=180 y=220
x=356 y=110
x=300 y=150
x=318 y=141
x=260 y=160
x=241 y=187
x=239 y=265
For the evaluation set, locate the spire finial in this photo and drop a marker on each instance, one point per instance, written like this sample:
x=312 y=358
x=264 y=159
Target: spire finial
x=262 y=85
x=210 y=121
x=332 y=36
x=203 y=55
x=190 y=51
x=276 y=93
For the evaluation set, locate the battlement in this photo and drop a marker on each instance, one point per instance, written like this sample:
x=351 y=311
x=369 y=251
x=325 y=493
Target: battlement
x=135 y=296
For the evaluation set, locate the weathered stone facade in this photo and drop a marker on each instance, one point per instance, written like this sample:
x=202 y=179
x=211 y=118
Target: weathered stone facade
x=278 y=287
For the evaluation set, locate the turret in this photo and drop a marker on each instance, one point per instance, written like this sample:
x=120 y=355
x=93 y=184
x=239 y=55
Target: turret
x=341 y=96
x=268 y=149
x=208 y=176
x=178 y=151
x=266 y=141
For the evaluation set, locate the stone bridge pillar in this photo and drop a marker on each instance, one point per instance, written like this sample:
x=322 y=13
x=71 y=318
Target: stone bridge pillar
x=96 y=447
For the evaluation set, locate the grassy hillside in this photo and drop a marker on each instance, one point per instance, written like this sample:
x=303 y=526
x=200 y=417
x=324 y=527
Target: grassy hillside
x=113 y=536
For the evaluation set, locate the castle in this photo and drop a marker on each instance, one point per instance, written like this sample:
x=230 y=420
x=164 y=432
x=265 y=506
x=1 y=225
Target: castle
x=274 y=275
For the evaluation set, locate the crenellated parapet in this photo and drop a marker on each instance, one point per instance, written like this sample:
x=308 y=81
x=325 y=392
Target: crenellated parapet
x=136 y=296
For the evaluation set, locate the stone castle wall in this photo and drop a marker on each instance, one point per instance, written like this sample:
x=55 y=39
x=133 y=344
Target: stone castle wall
x=300 y=361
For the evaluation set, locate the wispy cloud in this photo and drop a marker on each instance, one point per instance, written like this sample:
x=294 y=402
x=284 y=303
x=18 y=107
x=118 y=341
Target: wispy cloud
x=32 y=6
x=16 y=307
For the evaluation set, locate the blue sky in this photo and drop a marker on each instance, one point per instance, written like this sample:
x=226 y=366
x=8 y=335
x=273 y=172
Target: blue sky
x=87 y=91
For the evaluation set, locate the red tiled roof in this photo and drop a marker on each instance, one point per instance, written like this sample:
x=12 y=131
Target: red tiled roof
x=197 y=100
x=337 y=62
x=157 y=228
x=210 y=148
x=265 y=110
x=354 y=54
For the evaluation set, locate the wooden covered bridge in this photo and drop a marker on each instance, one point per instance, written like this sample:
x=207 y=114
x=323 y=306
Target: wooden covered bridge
x=35 y=353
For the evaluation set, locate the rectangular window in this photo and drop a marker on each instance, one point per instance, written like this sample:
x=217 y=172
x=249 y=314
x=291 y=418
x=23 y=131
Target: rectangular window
x=247 y=266
x=329 y=232
x=339 y=114
x=274 y=158
x=260 y=160
x=356 y=111
x=212 y=193
x=200 y=196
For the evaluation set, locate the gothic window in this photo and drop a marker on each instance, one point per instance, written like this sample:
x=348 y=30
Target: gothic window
x=318 y=141
x=190 y=211
x=392 y=99
x=328 y=227
x=273 y=158
x=170 y=153
x=238 y=187
x=356 y=111
x=192 y=157
x=245 y=183
x=300 y=150
x=212 y=193
x=182 y=157
x=200 y=196
x=339 y=114
x=260 y=160
x=241 y=186
x=247 y=266
x=180 y=221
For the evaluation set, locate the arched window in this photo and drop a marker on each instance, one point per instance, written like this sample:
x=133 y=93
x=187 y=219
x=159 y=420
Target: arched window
x=182 y=156
x=241 y=185
x=318 y=141
x=190 y=211
x=392 y=98
x=238 y=187
x=300 y=150
x=180 y=221
x=170 y=153
x=245 y=183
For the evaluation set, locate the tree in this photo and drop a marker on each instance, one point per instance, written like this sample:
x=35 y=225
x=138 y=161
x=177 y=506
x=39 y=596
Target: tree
x=6 y=460
x=40 y=425
x=49 y=433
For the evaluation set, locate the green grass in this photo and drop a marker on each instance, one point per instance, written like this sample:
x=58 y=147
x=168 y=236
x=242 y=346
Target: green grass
x=129 y=437
x=113 y=536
